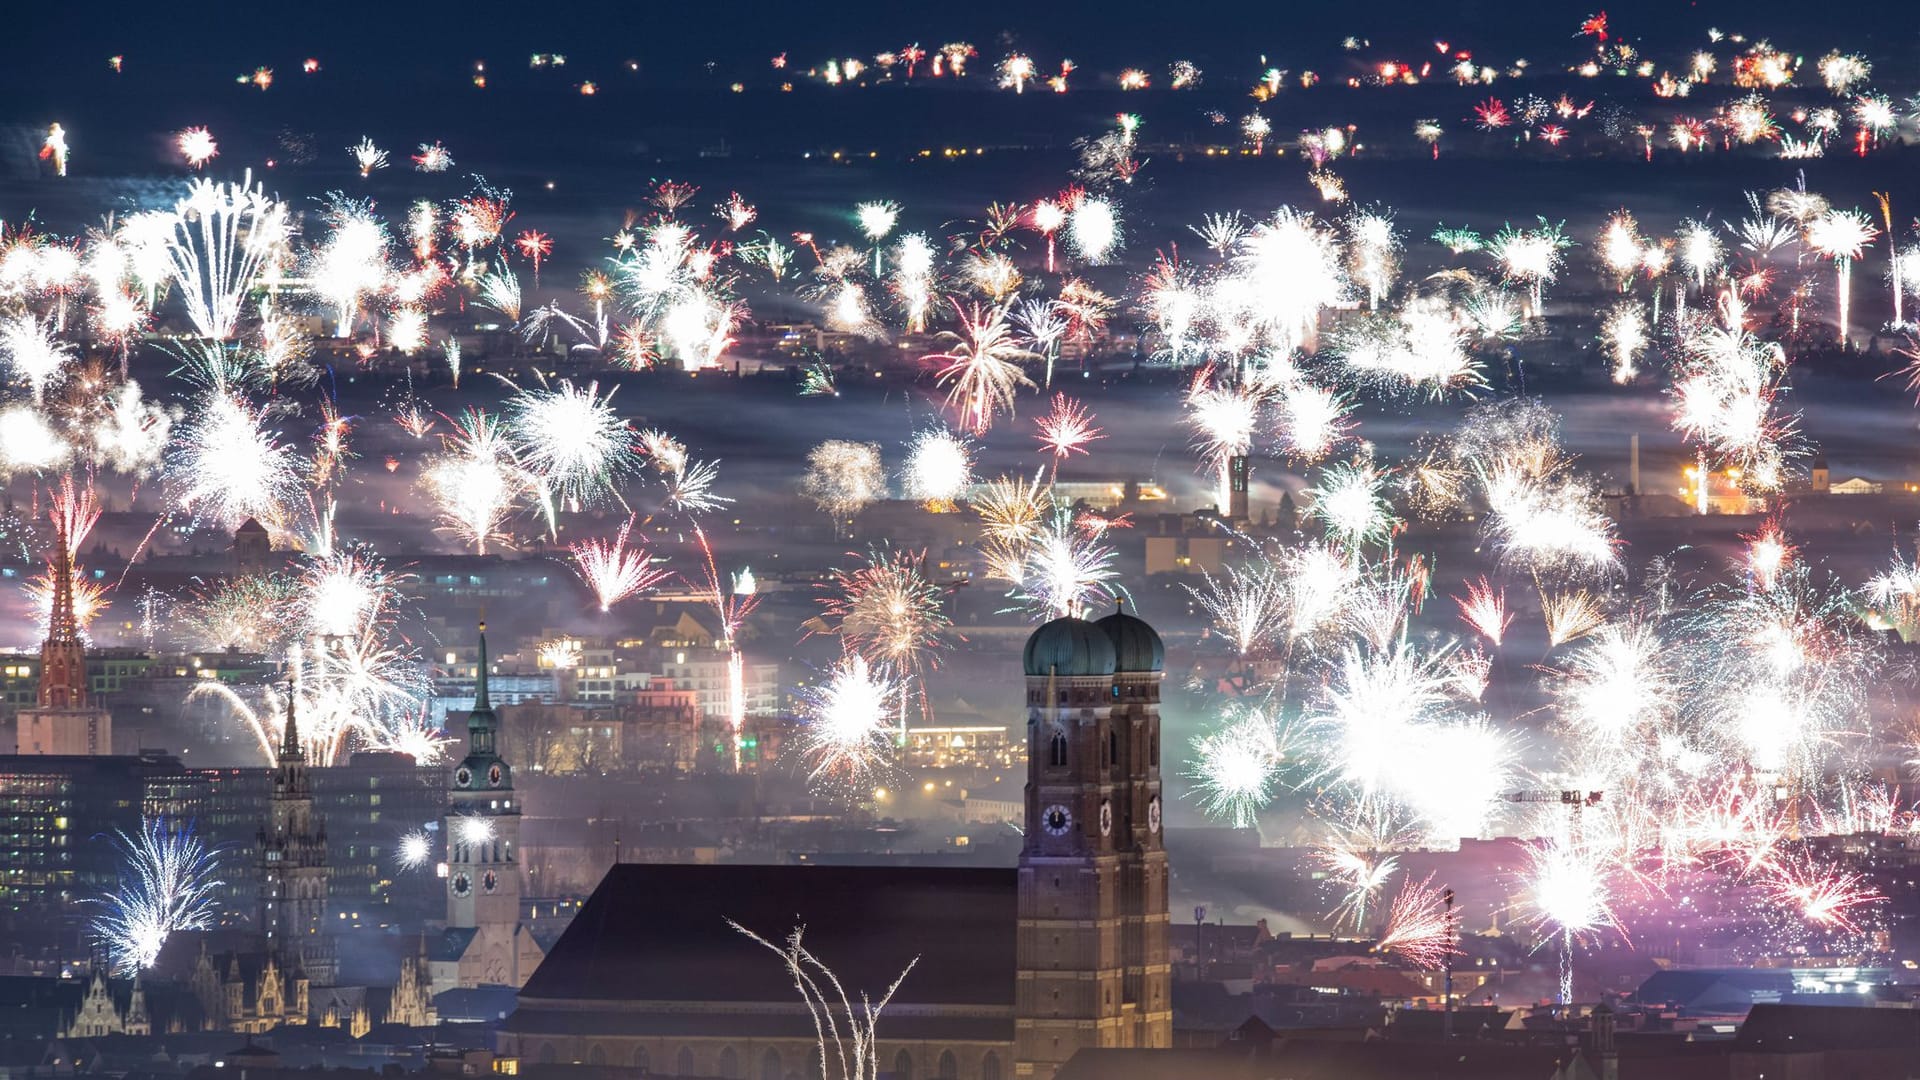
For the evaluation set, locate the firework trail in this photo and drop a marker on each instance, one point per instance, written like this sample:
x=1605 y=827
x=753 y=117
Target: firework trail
x=1570 y=895
x=1841 y=236
x=848 y=1044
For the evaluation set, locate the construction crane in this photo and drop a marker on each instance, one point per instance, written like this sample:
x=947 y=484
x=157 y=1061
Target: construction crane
x=1570 y=798
x=1574 y=801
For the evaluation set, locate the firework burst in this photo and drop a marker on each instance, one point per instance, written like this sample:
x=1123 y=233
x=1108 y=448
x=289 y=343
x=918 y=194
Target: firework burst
x=167 y=884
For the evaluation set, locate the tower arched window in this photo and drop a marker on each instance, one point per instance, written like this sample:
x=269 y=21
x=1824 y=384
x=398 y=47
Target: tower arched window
x=949 y=1066
x=1057 y=750
x=729 y=1066
x=903 y=1066
x=770 y=1065
x=683 y=1062
x=1113 y=747
x=990 y=1066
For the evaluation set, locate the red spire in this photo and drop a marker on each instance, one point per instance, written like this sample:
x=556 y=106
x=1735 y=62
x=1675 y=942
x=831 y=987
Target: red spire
x=63 y=660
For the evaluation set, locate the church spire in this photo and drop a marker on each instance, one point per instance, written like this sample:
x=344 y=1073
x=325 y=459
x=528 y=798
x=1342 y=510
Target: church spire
x=480 y=702
x=62 y=628
x=63 y=659
x=290 y=745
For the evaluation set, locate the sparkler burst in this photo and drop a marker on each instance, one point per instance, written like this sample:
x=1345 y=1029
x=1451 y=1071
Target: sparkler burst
x=226 y=465
x=1067 y=429
x=167 y=884
x=849 y=734
x=414 y=850
x=571 y=441
x=939 y=467
x=1236 y=767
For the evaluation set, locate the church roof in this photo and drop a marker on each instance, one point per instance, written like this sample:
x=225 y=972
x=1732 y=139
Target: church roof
x=659 y=933
x=1069 y=646
x=1136 y=645
x=451 y=944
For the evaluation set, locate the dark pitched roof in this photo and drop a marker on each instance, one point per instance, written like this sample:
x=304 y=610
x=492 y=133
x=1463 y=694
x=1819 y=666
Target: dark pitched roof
x=1713 y=990
x=1806 y=1028
x=479 y=1004
x=660 y=933
x=1430 y=1024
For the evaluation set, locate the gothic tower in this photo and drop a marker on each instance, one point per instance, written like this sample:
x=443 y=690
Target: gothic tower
x=483 y=868
x=61 y=720
x=293 y=865
x=1092 y=961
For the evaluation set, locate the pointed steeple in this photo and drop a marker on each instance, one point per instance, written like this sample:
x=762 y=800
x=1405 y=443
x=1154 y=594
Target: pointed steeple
x=482 y=767
x=290 y=744
x=480 y=702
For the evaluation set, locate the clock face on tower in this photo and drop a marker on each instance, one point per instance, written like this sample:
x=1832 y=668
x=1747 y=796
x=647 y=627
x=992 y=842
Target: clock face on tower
x=1106 y=817
x=494 y=774
x=1056 y=819
x=463 y=777
x=489 y=881
x=1153 y=814
x=462 y=885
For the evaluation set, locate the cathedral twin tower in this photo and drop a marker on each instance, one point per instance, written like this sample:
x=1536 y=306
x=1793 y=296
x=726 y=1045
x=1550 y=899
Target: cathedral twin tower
x=1092 y=939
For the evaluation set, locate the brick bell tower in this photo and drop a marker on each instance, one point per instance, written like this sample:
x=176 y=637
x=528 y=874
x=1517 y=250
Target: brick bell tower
x=1092 y=946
